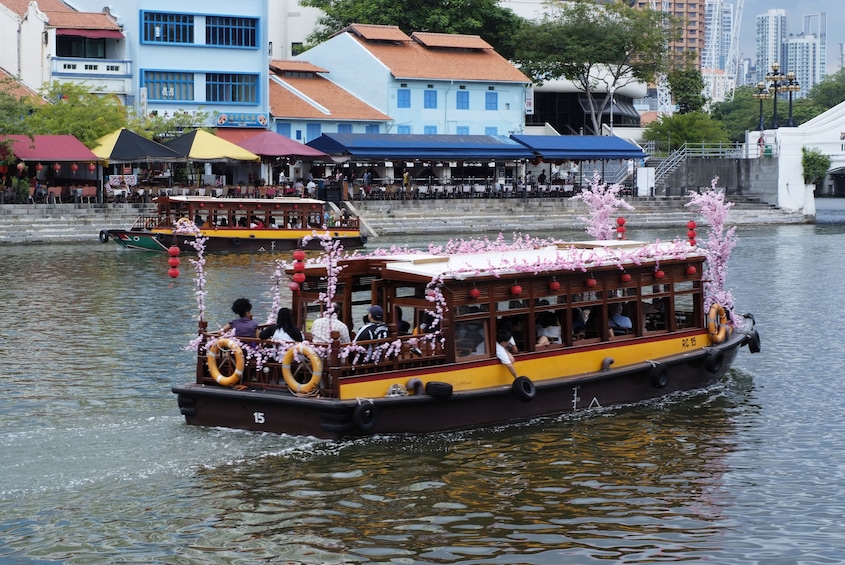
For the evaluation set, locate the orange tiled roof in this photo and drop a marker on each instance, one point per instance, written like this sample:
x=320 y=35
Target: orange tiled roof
x=330 y=102
x=459 y=58
x=19 y=90
x=20 y=6
x=289 y=65
x=377 y=32
x=81 y=20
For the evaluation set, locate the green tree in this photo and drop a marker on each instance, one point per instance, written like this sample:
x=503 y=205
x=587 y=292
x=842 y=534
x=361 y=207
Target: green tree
x=159 y=127
x=678 y=129
x=743 y=112
x=687 y=87
x=15 y=109
x=598 y=48
x=496 y=25
x=815 y=165
x=73 y=110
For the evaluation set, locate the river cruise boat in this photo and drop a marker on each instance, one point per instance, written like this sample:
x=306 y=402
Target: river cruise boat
x=236 y=224
x=588 y=325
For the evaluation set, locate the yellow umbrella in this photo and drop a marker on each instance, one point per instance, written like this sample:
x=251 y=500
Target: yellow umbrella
x=201 y=146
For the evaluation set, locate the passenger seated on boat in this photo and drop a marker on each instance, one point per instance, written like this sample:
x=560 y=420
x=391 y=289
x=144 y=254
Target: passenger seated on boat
x=619 y=324
x=548 y=329
x=244 y=326
x=273 y=224
x=242 y=222
x=578 y=323
x=321 y=329
x=375 y=328
x=503 y=344
x=403 y=326
x=198 y=220
x=284 y=329
x=256 y=222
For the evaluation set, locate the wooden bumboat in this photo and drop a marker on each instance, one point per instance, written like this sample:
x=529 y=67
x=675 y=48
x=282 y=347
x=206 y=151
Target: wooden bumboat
x=236 y=224
x=442 y=373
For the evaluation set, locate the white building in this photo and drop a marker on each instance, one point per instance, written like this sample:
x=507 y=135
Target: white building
x=771 y=33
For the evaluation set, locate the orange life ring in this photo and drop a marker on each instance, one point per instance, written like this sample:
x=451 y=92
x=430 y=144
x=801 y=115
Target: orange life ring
x=227 y=345
x=316 y=369
x=717 y=323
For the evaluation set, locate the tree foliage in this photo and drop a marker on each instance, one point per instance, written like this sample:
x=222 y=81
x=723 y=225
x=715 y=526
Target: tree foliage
x=599 y=48
x=162 y=127
x=687 y=87
x=73 y=110
x=743 y=112
x=678 y=129
x=15 y=109
x=815 y=165
x=829 y=92
x=496 y=25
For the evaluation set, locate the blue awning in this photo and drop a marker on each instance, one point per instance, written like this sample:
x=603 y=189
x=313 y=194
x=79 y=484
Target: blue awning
x=386 y=146
x=579 y=147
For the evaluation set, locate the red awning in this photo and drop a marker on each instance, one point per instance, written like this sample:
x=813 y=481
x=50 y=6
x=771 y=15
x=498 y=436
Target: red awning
x=50 y=148
x=92 y=33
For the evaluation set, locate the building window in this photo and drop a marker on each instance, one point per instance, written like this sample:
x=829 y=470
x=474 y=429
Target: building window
x=296 y=48
x=169 y=86
x=430 y=99
x=462 y=130
x=491 y=101
x=80 y=47
x=231 y=88
x=344 y=128
x=167 y=28
x=283 y=129
x=430 y=130
x=462 y=100
x=372 y=128
x=491 y=131
x=230 y=31
x=312 y=131
x=403 y=98
x=403 y=129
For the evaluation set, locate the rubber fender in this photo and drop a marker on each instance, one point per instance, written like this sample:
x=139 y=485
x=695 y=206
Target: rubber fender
x=365 y=416
x=104 y=236
x=414 y=385
x=523 y=388
x=713 y=360
x=438 y=389
x=753 y=340
x=658 y=375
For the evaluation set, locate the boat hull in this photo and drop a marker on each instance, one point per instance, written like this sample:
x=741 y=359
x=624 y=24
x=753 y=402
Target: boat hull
x=283 y=413
x=250 y=243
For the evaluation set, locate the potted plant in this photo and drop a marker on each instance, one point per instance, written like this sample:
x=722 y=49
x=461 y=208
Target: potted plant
x=815 y=165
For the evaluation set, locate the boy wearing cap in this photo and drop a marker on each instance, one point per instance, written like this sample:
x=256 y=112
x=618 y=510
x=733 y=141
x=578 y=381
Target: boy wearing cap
x=375 y=328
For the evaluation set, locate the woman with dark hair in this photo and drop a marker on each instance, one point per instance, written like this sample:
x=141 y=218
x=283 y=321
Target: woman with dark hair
x=244 y=326
x=284 y=329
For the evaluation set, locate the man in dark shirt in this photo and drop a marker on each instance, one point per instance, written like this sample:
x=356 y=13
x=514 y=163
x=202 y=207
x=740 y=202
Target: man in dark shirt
x=375 y=328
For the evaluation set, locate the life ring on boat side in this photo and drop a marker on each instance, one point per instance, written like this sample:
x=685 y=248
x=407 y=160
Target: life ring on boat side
x=225 y=344
x=713 y=360
x=183 y=223
x=438 y=389
x=717 y=323
x=316 y=369
x=524 y=389
x=658 y=375
x=104 y=236
x=365 y=416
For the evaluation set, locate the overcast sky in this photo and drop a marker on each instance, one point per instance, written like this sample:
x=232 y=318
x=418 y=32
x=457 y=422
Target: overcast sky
x=795 y=10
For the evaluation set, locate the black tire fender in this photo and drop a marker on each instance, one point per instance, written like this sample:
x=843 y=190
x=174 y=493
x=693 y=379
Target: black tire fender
x=753 y=341
x=365 y=416
x=104 y=236
x=236 y=241
x=713 y=360
x=523 y=388
x=438 y=389
x=658 y=375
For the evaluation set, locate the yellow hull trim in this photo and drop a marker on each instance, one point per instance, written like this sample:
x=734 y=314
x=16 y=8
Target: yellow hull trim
x=245 y=233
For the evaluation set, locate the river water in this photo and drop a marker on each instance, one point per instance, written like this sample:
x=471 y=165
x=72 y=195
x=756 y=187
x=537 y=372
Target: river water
x=98 y=466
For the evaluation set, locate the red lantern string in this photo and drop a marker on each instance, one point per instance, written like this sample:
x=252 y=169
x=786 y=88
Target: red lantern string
x=474 y=293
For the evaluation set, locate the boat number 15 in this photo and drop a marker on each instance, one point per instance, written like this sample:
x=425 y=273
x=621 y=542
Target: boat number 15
x=686 y=342
x=259 y=417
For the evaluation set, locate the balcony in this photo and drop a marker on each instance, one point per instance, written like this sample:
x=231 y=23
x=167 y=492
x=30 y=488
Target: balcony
x=110 y=75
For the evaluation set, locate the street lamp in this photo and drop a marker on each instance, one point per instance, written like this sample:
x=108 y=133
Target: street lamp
x=777 y=81
x=791 y=86
x=761 y=94
x=612 y=91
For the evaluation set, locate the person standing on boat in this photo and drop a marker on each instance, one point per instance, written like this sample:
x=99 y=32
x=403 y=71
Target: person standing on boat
x=244 y=326
x=321 y=329
x=375 y=328
x=503 y=345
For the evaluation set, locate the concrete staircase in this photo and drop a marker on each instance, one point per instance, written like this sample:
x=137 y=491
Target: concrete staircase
x=43 y=223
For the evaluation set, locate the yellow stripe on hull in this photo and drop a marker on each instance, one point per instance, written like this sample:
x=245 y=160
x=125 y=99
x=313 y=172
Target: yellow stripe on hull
x=568 y=364
x=242 y=233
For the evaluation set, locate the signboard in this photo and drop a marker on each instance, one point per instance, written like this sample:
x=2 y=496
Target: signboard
x=241 y=120
x=529 y=101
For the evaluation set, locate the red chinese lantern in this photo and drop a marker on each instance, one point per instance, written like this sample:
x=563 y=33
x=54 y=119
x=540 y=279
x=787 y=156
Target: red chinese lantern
x=691 y=225
x=39 y=166
x=692 y=242
x=474 y=293
x=659 y=274
x=57 y=167
x=620 y=221
x=91 y=167
x=590 y=282
x=554 y=286
x=299 y=266
x=74 y=167
x=299 y=278
x=299 y=255
x=516 y=290
x=691 y=234
x=691 y=270
x=625 y=277
x=293 y=286
x=4 y=169
x=173 y=272
x=173 y=251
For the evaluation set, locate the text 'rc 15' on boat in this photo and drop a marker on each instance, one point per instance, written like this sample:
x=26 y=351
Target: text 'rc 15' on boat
x=478 y=333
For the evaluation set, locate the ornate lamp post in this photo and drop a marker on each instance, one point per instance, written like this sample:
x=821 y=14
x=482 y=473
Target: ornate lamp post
x=791 y=86
x=761 y=94
x=777 y=81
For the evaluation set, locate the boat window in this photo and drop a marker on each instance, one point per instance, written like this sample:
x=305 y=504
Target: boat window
x=505 y=305
x=471 y=338
x=471 y=309
x=518 y=327
x=549 y=301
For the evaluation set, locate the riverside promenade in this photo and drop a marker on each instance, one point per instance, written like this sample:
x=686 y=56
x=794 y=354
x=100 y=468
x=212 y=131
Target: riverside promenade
x=64 y=223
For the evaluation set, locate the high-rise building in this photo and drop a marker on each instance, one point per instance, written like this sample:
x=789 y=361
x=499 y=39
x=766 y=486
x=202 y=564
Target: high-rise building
x=771 y=33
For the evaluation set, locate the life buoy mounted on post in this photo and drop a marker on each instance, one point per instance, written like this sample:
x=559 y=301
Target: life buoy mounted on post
x=225 y=345
x=717 y=323
x=316 y=369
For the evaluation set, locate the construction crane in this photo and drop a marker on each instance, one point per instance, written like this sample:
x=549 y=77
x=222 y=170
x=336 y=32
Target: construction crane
x=664 y=95
x=732 y=61
x=711 y=70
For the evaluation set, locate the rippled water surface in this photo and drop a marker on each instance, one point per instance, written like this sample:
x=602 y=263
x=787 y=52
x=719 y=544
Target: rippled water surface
x=98 y=466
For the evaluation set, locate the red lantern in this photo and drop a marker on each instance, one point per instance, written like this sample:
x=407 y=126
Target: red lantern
x=516 y=290
x=298 y=277
x=39 y=166
x=299 y=255
x=299 y=266
x=620 y=221
x=91 y=167
x=74 y=167
x=590 y=282
x=173 y=272
x=658 y=274
x=691 y=225
x=691 y=234
x=278 y=206
x=474 y=293
x=57 y=167
x=692 y=242
x=625 y=277
x=554 y=286
x=202 y=204
x=691 y=270
x=173 y=261
x=4 y=169
x=293 y=286
x=173 y=250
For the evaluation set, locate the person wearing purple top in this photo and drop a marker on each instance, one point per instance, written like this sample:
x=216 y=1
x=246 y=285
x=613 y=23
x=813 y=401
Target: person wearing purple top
x=244 y=326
